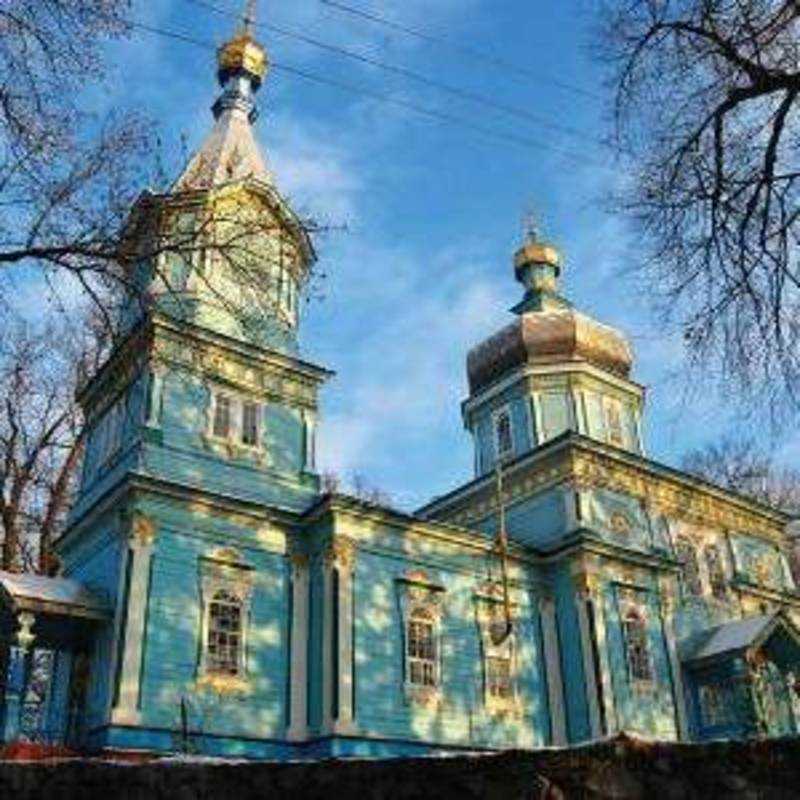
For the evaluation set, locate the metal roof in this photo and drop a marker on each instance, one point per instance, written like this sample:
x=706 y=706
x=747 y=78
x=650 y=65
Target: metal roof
x=731 y=637
x=37 y=593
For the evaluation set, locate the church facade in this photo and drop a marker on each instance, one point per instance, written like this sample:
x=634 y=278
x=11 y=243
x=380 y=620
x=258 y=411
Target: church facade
x=213 y=599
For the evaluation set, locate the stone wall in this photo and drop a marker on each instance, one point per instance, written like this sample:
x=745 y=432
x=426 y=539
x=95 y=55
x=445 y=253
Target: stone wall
x=621 y=768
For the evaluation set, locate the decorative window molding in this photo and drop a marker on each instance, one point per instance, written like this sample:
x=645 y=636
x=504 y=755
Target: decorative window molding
x=503 y=431
x=499 y=651
x=615 y=431
x=716 y=572
x=234 y=424
x=226 y=588
x=686 y=554
x=636 y=644
x=421 y=609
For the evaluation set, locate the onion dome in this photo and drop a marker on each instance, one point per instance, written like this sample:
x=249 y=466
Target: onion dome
x=243 y=54
x=548 y=330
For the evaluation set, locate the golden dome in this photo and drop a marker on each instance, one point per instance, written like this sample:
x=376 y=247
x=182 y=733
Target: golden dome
x=243 y=53
x=548 y=337
x=534 y=252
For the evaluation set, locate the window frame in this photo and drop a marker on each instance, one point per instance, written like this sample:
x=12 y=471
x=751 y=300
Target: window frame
x=490 y=612
x=224 y=571
x=223 y=598
x=499 y=413
x=237 y=403
x=425 y=665
x=639 y=651
x=695 y=587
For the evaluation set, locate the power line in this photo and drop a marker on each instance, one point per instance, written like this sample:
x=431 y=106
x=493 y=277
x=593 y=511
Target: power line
x=454 y=91
x=436 y=114
x=468 y=52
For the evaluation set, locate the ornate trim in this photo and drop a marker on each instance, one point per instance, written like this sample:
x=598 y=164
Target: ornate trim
x=340 y=553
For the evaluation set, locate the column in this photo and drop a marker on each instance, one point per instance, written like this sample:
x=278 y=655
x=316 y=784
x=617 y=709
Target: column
x=582 y=600
x=15 y=675
x=310 y=422
x=678 y=690
x=140 y=543
x=609 y=706
x=155 y=393
x=298 y=683
x=339 y=560
x=552 y=659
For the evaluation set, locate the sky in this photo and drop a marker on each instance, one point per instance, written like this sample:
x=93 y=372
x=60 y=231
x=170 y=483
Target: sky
x=425 y=214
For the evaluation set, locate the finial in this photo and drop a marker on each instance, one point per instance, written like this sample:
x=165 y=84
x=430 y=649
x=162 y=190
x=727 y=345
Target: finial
x=249 y=18
x=530 y=228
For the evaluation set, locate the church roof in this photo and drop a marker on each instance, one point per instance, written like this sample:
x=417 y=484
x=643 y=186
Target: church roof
x=38 y=593
x=557 y=334
x=732 y=637
x=229 y=153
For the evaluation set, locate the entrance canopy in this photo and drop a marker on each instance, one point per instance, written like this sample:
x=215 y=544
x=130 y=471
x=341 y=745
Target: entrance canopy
x=772 y=633
x=38 y=594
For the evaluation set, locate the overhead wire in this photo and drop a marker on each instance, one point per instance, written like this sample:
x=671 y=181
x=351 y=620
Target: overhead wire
x=468 y=52
x=455 y=91
x=442 y=116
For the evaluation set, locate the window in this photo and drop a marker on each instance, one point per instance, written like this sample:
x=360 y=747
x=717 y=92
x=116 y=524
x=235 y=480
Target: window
x=250 y=424
x=690 y=569
x=614 y=422
x=502 y=433
x=224 y=644
x=716 y=704
x=222 y=416
x=498 y=678
x=421 y=650
x=637 y=648
x=716 y=575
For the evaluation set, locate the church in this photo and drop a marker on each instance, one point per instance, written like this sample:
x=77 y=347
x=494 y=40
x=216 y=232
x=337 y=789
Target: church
x=212 y=598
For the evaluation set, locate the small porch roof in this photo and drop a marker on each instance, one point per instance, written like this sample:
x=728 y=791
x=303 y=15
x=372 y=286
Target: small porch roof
x=736 y=637
x=57 y=596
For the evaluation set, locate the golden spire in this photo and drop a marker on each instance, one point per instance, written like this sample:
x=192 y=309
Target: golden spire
x=243 y=54
x=534 y=251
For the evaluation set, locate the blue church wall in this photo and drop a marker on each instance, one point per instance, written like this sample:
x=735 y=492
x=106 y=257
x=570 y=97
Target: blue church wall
x=174 y=623
x=522 y=427
x=618 y=518
x=760 y=563
x=646 y=708
x=381 y=706
x=187 y=455
x=575 y=704
x=538 y=521
x=732 y=716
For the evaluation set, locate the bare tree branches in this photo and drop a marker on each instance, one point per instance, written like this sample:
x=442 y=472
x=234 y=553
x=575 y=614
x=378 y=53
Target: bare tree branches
x=41 y=432
x=707 y=117
x=742 y=466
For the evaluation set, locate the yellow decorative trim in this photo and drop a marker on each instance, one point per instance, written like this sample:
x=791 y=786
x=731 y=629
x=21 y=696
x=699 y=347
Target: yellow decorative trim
x=143 y=530
x=224 y=684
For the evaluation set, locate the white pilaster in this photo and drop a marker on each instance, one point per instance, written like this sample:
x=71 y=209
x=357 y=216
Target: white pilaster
x=555 y=683
x=609 y=706
x=298 y=691
x=155 y=397
x=590 y=674
x=339 y=559
x=679 y=694
x=142 y=536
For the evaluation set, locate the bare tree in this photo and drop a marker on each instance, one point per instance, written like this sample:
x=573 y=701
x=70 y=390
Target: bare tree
x=72 y=185
x=41 y=433
x=707 y=120
x=742 y=466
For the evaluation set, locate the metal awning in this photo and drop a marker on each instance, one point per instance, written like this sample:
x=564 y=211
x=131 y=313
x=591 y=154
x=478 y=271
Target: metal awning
x=57 y=596
x=737 y=637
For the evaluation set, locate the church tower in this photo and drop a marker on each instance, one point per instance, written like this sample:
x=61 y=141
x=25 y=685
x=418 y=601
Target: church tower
x=200 y=445
x=551 y=370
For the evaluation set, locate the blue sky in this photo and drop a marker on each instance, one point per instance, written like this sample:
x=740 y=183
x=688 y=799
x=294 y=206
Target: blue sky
x=433 y=210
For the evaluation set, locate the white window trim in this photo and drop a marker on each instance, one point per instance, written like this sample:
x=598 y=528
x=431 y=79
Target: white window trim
x=225 y=571
x=496 y=414
x=418 y=593
x=626 y=608
x=488 y=604
x=233 y=441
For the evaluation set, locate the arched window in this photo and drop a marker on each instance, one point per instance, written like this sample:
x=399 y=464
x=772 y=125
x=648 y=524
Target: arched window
x=637 y=647
x=690 y=570
x=716 y=575
x=421 y=649
x=224 y=642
